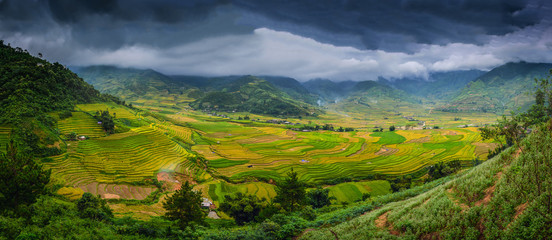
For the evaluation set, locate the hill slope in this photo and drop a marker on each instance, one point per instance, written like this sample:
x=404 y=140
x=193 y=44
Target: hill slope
x=505 y=197
x=503 y=88
x=440 y=85
x=32 y=86
x=292 y=88
x=378 y=96
x=137 y=85
x=251 y=94
x=329 y=91
x=289 y=86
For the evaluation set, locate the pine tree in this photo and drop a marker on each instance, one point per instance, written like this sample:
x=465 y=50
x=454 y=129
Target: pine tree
x=184 y=206
x=22 y=180
x=291 y=192
x=242 y=207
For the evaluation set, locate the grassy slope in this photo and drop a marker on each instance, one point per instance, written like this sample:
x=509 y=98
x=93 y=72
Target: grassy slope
x=498 y=199
x=500 y=90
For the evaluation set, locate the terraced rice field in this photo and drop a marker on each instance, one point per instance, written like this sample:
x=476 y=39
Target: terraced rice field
x=239 y=149
x=104 y=165
x=352 y=191
x=217 y=190
x=119 y=111
x=183 y=133
x=82 y=124
x=126 y=157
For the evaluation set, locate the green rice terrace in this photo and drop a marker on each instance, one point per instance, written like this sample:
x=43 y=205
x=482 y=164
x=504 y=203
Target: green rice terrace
x=175 y=146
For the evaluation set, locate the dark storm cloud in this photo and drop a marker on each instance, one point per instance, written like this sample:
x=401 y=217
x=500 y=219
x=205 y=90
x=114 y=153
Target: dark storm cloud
x=112 y=24
x=134 y=10
x=390 y=24
x=371 y=24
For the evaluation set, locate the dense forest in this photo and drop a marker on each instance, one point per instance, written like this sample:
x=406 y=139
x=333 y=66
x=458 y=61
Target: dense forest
x=32 y=86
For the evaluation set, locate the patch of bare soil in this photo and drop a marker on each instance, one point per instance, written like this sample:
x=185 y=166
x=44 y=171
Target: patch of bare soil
x=488 y=195
x=384 y=151
x=489 y=192
x=518 y=151
x=420 y=140
x=382 y=223
x=519 y=210
x=173 y=181
x=111 y=196
x=115 y=191
x=291 y=133
x=450 y=192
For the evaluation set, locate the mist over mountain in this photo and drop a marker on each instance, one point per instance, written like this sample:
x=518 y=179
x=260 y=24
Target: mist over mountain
x=329 y=91
x=472 y=90
x=439 y=85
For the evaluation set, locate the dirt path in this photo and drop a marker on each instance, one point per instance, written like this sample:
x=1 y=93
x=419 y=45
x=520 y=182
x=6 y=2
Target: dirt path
x=382 y=223
x=489 y=192
x=450 y=193
x=359 y=151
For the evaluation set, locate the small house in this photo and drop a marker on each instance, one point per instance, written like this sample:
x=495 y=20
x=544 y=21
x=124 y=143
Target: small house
x=206 y=203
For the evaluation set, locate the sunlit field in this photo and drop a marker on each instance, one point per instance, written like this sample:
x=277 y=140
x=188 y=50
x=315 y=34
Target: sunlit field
x=252 y=152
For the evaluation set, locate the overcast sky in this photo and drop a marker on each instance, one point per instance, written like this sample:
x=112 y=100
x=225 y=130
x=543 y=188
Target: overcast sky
x=338 y=40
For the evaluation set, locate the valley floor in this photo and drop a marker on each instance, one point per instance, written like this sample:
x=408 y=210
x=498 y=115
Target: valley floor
x=164 y=144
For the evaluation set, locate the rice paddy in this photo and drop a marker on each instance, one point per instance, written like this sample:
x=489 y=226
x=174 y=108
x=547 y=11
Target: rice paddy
x=218 y=189
x=352 y=191
x=116 y=166
x=322 y=155
x=81 y=123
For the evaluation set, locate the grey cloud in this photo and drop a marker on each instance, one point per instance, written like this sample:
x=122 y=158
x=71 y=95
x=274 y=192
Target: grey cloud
x=340 y=40
x=110 y=24
x=418 y=21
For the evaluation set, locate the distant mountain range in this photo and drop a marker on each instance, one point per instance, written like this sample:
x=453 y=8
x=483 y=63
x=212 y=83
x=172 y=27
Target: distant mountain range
x=503 y=88
x=439 y=85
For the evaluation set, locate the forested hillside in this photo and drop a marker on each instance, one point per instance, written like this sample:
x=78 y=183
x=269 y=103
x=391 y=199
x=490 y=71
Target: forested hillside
x=252 y=94
x=501 y=90
x=32 y=86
